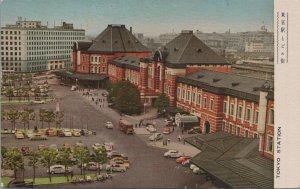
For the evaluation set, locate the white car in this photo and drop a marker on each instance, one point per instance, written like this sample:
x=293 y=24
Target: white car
x=109 y=125
x=192 y=166
x=155 y=136
x=67 y=132
x=198 y=171
x=109 y=146
x=59 y=169
x=92 y=166
x=97 y=146
x=151 y=128
x=173 y=154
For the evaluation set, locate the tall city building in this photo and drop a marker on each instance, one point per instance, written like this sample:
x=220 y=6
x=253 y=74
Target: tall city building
x=29 y=46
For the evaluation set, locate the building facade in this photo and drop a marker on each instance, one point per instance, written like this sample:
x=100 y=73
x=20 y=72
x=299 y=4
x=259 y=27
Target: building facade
x=29 y=46
x=195 y=79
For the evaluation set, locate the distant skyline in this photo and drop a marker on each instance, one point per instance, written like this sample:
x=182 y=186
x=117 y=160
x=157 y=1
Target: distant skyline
x=151 y=17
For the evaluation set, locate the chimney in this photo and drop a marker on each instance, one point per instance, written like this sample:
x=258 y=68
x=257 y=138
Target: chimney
x=130 y=29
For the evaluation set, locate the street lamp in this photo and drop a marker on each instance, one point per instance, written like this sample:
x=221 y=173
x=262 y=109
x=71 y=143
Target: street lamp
x=144 y=108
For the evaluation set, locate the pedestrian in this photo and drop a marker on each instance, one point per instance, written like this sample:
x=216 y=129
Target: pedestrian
x=169 y=140
x=173 y=128
x=166 y=142
x=179 y=138
x=72 y=174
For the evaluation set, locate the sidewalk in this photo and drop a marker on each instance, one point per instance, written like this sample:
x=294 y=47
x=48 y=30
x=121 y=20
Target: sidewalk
x=184 y=148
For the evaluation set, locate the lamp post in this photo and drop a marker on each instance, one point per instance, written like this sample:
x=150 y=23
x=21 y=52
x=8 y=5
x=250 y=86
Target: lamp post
x=144 y=108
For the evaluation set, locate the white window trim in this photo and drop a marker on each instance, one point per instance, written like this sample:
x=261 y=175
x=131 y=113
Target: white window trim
x=270 y=116
x=240 y=106
x=246 y=118
x=231 y=109
x=267 y=146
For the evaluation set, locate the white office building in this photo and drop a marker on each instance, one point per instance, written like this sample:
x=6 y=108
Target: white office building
x=28 y=46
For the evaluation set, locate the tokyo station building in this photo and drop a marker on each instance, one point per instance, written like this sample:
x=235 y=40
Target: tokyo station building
x=191 y=74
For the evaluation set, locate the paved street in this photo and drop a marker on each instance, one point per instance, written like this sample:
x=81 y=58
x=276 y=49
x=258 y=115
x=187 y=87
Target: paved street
x=149 y=167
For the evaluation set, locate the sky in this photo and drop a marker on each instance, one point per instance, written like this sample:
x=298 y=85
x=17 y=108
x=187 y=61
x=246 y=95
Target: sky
x=151 y=17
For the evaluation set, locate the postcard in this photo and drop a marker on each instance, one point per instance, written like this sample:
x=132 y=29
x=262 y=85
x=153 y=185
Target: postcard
x=150 y=94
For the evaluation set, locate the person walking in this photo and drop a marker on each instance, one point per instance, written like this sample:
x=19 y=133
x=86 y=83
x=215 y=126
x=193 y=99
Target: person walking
x=179 y=138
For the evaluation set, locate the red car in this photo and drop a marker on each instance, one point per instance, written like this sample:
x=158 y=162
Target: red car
x=25 y=150
x=182 y=159
x=60 y=133
x=167 y=130
x=50 y=132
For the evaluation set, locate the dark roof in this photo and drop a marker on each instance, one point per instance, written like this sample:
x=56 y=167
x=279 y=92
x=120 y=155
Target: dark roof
x=116 y=38
x=187 y=49
x=127 y=62
x=80 y=76
x=226 y=84
x=234 y=160
x=82 y=45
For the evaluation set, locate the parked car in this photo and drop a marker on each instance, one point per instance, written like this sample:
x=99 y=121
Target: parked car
x=108 y=146
x=186 y=163
x=194 y=130
x=198 y=171
x=19 y=135
x=115 y=168
x=155 y=136
x=92 y=166
x=5 y=131
x=60 y=133
x=29 y=134
x=167 y=130
x=50 y=132
x=59 y=169
x=151 y=128
x=76 y=132
x=97 y=146
x=85 y=132
x=121 y=161
x=192 y=166
x=114 y=154
x=182 y=159
x=25 y=150
x=67 y=132
x=109 y=125
x=173 y=154
x=104 y=94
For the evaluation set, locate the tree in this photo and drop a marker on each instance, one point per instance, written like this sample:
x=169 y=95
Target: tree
x=100 y=157
x=82 y=155
x=34 y=158
x=24 y=118
x=128 y=99
x=3 y=154
x=162 y=102
x=64 y=157
x=13 y=115
x=13 y=159
x=42 y=116
x=48 y=158
x=113 y=90
x=9 y=93
x=59 y=118
x=49 y=117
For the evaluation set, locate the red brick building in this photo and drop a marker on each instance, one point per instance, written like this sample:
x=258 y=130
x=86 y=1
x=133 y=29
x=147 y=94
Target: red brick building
x=192 y=75
x=115 y=41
